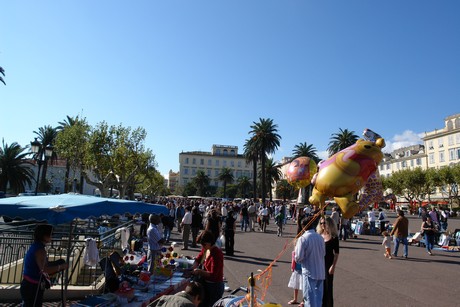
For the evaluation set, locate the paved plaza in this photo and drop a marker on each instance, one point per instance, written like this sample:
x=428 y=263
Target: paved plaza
x=364 y=277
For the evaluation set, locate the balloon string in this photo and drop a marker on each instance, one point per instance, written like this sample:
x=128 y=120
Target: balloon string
x=267 y=280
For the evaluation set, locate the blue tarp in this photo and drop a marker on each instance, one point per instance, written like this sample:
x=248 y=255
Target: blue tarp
x=63 y=208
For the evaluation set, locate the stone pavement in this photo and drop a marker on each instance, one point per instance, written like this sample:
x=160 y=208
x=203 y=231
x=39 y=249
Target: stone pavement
x=364 y=277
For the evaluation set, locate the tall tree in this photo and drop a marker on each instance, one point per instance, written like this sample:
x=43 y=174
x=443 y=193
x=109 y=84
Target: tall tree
x=305 y=150
x=266 y=141
x=273 y=175
x=244 y=184
x=226 y=176
x=201 y=181
x=252 y=155
x=15 y=168
x=341 y=140
x=117 y=157
x=47 y=137
x=70 y=144
x=2 y=71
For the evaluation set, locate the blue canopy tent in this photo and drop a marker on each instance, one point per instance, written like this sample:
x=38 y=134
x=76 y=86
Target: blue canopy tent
x=64 y=208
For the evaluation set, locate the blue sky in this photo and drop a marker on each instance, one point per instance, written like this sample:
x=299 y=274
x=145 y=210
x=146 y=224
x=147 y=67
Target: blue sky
x=197 y=73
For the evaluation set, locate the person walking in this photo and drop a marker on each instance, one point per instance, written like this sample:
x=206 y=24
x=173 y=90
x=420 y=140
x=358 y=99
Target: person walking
x=310 y=251
x=387 y=244
x=229 y=233
x=371 y=220
x=400 y=232
x=328 y=230
x=197 y=224
x=186 y=225
x=179 y=214
x=429 y=230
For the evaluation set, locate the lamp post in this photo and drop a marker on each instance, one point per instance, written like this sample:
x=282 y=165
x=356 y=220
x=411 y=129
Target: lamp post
x=40 y=155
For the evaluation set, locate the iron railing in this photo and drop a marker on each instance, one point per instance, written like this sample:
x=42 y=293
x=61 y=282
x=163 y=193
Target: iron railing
x=68 y=243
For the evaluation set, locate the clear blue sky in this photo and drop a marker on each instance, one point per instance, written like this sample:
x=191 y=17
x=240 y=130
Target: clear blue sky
x=197 y=73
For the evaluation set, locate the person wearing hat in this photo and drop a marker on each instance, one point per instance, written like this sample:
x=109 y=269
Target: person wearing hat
x=37 y=268
x=155 y=241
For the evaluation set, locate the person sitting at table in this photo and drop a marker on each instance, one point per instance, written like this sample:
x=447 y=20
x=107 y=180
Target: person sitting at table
x=211 y=275
x=190 y=297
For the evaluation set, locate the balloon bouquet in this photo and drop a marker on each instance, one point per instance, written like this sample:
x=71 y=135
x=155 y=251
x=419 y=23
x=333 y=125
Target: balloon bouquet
x=351 y=170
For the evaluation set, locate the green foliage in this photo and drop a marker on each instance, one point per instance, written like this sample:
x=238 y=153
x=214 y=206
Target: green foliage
x=341 y=140
x=15 y=169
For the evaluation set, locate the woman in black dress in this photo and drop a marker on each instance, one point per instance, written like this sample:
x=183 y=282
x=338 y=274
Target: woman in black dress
x=328 y=230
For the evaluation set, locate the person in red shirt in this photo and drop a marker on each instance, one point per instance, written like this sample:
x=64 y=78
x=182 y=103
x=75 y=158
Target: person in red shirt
x=209 y=269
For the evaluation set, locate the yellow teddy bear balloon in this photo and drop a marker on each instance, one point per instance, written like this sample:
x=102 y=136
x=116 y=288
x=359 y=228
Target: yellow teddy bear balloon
x=345 y=173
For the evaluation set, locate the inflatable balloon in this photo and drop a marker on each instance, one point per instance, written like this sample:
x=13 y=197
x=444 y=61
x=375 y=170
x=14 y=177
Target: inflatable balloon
x=300 y=172
x=345 y=173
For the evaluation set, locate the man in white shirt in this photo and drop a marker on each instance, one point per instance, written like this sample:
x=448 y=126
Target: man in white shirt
x=371 y=220
x=186 y=225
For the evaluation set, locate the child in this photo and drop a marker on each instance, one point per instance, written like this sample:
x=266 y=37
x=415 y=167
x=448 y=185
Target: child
x=295 y=281
x=387 y=243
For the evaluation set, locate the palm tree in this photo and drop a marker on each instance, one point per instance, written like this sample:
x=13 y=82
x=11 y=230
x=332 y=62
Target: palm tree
x=304 y=150
x=266 y=140
x=244 y=185
x=47 y=136
x=341 y=140
x=15 y=168
x=226 y=176
x=201 y=182
x=284 y=190
x=67 y=123
x=273 y=174
x=252 y=155
x=2 y=71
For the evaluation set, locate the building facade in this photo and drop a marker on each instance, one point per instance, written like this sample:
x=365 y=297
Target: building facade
x=212 y=163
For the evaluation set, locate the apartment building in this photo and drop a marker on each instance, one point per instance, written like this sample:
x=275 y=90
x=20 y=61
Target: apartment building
x=212 y=163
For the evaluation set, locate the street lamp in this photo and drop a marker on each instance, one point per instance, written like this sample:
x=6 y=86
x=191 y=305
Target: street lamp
x=40 y=155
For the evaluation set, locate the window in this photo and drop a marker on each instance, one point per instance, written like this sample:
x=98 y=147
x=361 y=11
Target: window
x=218 y=152
x=450 y=140
x=232 y=152
x=232 y=163
x=431 y=158
x=441 y=156
x=381 y=167
x=186 y=160
x=194 y=161
x=209 y=172
x=217 y=163
x=201 y=161
x=225 y=152
x=408 y=153
x=209 y=162
x=193 y=172
x=452 y=154
x=185 y=171
x=430 y=145
x=239 y=163
x=457 y=138
x=403 y=164
x=458 y=153
x=440 y=142
x=419 y=161
x=225 y=163
x=216 y=173
x=412 y=163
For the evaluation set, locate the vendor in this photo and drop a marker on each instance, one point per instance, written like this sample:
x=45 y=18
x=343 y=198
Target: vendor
x=211 y=274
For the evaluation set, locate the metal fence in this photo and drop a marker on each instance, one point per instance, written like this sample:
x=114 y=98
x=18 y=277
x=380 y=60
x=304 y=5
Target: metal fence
x=68 y=243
